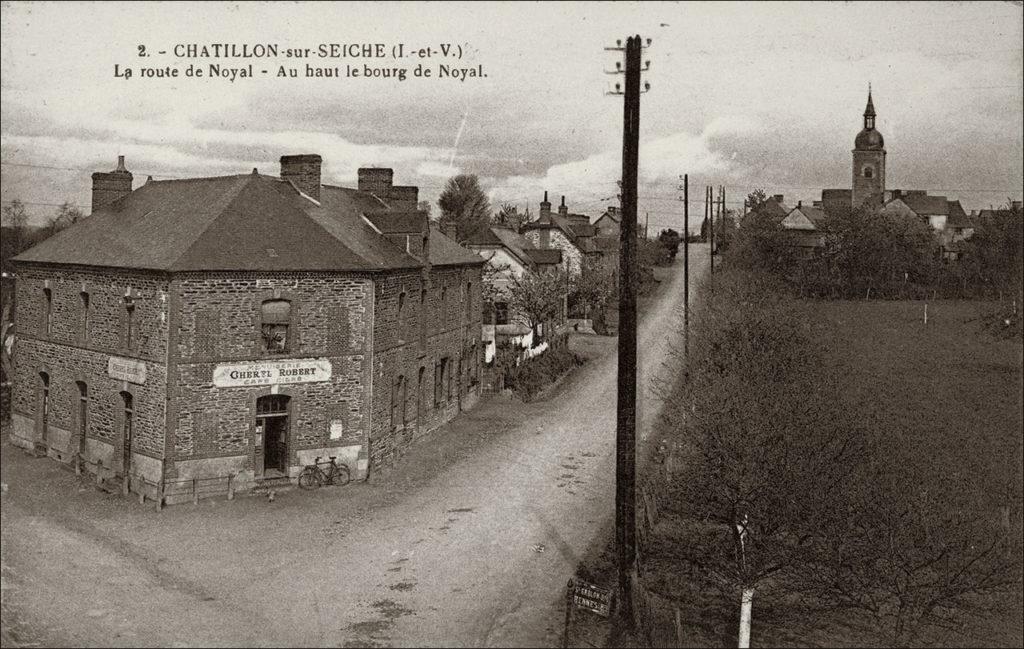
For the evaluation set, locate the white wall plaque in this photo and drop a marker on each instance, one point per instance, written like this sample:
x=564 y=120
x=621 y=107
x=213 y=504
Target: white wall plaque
x=126 y=369
x=302 y=370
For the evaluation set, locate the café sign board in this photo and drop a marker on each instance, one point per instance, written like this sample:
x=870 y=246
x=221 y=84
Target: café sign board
x=300 y=370
x=126 y=369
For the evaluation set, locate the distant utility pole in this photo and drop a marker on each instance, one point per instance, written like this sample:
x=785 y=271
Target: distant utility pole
x=625 y=424
x=686 y=267
x=711 y=227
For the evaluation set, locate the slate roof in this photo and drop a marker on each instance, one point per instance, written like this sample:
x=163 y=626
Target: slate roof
x=925 y=205
x=399 y=222
x=957 y=216
x=836 y=201
x=607 y=244
x=248 y=222
x=815 y=215
x=614 y=216
x=543 y=256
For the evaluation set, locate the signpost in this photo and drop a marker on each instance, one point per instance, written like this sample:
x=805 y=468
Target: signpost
x=581 y=594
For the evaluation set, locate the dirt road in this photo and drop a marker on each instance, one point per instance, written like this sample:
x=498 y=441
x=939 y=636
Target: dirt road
x=471 y=549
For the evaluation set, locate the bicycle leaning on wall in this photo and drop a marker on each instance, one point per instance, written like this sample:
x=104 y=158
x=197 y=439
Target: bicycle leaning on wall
x=320 y=473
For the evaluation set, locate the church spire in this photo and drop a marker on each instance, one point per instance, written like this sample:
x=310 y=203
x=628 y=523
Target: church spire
x=869 y=112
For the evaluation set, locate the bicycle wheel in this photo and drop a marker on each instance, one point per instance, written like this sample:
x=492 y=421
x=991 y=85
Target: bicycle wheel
x=341 y=476
x=308 y=479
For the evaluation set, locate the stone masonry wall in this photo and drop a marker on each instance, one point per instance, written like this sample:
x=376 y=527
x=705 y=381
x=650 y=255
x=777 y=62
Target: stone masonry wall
x=436 y=322
x=220 y=323
x=76 y=346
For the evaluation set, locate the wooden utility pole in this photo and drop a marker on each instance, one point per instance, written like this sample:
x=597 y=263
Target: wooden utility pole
x=625 y=424
x=686 y=267
x=711 y=227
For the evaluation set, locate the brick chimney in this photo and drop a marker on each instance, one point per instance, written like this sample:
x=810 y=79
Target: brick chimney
x=376 y=181
x=402 y=198
x=545 y=210
x=778 y=198
x=110 y=186
x=562 y=209
x=1015 y=206
x=304 y=172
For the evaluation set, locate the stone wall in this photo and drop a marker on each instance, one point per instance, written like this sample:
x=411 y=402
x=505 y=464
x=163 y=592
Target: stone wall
x=435 y=323
x=220 y=323
x=73 y=349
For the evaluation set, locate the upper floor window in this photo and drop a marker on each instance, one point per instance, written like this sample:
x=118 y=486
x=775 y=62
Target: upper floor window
x=501 y=313
x=423 y=318
x=869 y=172
x=129 y=321
x=401 y=315
x=47 y=311
x=275 y=319
x=469 y=301
x=84 y=297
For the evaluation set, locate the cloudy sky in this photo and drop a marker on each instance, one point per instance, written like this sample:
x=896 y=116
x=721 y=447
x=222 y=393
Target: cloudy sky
x=744 y=95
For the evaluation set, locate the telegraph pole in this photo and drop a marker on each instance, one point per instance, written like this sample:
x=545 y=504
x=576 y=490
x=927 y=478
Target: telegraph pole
x=686 y=267
x=625 y=424
x=711 y=228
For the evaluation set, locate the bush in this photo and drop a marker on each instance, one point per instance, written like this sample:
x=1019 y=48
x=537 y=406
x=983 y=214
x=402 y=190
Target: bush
x=531 y=376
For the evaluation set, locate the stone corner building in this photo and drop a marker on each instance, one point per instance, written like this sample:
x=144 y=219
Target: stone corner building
x=242 y=325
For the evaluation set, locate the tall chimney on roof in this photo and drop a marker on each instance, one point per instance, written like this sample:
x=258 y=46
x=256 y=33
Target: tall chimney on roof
x=562 y=209
x=376 y=180
x=304 y=172
x=545 y=209
x=110 y=186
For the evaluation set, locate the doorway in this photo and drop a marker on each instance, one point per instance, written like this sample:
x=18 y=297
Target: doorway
x=272 y=424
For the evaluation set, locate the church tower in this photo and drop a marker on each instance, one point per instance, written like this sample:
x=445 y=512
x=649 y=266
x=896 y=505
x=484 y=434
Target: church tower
x=868 y=161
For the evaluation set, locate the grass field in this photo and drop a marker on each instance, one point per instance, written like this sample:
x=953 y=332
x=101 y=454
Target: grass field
x=950 y=391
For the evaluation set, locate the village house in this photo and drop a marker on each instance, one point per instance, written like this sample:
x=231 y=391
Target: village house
x=608 y=223
x=557 y=231
x=242 y=325
x=508 y=256
x=806 y=227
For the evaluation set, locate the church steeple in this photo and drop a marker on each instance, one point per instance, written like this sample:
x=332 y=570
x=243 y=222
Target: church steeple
x=868 y=160
x=869 y=112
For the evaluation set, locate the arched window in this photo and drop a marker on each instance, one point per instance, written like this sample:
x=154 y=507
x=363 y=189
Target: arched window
x=83 y=410
x=44 y=401
x=127 y=428
x=47 y=311
x=275 y=318
x=401 y=315
x=398 y=401
x=129 y=320
x=84 y=297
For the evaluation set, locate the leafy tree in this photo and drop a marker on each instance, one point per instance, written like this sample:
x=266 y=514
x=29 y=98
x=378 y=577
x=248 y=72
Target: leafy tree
x=756 y=198
x=670 y=239
x=464 y=206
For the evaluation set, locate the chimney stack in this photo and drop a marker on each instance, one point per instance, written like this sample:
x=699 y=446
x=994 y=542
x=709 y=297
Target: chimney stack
x=545 y=209
x=304 y=172
x=562 y=209
x=376 y=181
x=1015 y=206
x=778 y=198
x=110 y=186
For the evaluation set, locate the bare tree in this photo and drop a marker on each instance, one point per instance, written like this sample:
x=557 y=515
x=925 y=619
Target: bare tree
x=537 y=298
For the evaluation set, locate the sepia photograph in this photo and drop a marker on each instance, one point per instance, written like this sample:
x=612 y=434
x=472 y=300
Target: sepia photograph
x=511 y=324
